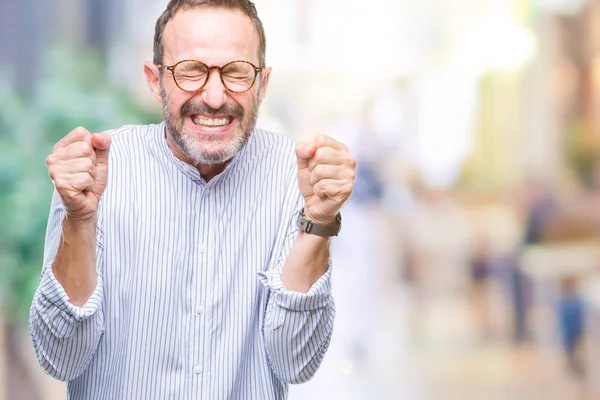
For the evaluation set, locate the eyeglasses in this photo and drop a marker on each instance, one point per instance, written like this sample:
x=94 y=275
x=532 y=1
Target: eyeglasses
x=191 y=75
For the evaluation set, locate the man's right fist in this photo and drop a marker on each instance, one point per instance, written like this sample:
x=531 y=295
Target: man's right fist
x=78 y=166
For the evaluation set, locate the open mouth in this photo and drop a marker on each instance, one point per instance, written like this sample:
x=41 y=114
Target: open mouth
x=206 y=121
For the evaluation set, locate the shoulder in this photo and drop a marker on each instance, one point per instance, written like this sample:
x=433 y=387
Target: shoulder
x=128 y=135
x=130 y=141
x=267 y=154
x=272 y=144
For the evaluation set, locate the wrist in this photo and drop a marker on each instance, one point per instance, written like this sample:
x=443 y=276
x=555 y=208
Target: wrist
x=79 y=228
x=325 y=221
x=77 y=221
x=321 y=227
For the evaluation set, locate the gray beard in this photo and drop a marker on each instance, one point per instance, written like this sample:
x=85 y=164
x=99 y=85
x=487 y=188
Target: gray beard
x=190 y=147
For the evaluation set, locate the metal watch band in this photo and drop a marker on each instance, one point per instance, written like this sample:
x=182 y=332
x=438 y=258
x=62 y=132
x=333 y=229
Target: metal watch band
x=306 y=225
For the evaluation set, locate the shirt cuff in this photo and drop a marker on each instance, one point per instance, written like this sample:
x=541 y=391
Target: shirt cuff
x=56 y=310
x=318 y=296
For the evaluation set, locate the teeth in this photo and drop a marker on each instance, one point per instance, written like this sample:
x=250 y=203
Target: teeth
x=211 y=122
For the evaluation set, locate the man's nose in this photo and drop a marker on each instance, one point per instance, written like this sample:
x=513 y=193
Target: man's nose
x=214 y=93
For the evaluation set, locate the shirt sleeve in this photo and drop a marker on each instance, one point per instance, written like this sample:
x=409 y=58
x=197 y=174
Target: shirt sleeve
x=297 y=326
x=65 y=337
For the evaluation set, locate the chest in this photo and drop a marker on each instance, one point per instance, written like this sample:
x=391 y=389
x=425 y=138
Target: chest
x=168 y=235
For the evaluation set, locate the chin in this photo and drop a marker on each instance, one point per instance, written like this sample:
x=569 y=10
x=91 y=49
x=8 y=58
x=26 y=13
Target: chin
x=216 y=153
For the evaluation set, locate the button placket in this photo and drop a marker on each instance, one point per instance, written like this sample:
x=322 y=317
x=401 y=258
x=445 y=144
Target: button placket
x=198 y=305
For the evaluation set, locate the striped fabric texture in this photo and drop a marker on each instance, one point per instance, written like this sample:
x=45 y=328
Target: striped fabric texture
x=189 y=302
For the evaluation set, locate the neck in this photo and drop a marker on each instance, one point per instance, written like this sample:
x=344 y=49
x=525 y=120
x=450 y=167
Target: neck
x=209 y=171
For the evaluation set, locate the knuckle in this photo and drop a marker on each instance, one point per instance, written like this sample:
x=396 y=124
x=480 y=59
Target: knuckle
x=89 y=151
x=84 y=148
x=81 y=134
x=322 y=154
x=89 y=180
x=87 y=164
x=60 y=154
x=80 y=131
x=321 y=139
x=57 y=145
x=313 y=179
x=50 y=159
x=81 y=181
x=318 y=171
x=60 y=185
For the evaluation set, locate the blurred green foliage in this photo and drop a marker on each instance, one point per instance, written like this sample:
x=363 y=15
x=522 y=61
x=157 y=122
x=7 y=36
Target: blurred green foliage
x=73 y=91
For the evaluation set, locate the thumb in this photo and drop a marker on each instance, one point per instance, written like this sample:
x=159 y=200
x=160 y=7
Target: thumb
x=304 y=152
x=101 y=143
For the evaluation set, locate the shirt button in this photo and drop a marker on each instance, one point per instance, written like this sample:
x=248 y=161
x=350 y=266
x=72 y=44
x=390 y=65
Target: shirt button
x=202 y=249
x=200 y=309
x=197 y=369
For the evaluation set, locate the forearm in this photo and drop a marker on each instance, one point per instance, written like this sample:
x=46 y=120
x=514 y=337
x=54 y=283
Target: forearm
x=300 y=313
x=66 y=336
x=306 y=263
x=75 y=263
x=57 y=326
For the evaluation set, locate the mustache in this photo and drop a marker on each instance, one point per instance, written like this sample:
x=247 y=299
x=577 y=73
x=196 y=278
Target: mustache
x=195 y=107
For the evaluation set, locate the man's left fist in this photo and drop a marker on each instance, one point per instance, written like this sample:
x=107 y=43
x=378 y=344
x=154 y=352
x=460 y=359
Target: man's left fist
x=326 y=173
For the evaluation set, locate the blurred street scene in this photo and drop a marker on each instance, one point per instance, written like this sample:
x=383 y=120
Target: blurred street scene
x=468 y=265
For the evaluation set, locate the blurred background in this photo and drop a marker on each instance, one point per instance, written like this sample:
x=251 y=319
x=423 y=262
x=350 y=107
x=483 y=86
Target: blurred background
x=468 y=266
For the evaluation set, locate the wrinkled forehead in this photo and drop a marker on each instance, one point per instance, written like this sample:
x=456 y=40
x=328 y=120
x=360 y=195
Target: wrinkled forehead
x=214 y=36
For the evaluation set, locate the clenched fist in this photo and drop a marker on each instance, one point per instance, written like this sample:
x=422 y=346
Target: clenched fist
x=326 y=173
x=78 y=166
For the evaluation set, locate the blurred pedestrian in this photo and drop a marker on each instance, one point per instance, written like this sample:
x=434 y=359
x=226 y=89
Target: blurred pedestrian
x=570 y=312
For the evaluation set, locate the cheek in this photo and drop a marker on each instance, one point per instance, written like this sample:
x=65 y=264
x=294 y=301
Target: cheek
x=175 y=101
x=248 y=103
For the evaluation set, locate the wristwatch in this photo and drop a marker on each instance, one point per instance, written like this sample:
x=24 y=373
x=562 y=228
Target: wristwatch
x=308 y=226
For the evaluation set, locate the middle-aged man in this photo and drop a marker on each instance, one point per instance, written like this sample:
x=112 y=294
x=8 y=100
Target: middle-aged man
x=190 y=259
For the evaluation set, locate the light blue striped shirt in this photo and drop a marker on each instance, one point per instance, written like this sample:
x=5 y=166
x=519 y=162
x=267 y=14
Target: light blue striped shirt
x=189 y=302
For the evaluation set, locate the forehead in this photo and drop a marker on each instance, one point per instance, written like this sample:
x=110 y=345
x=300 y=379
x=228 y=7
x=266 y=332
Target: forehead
x=214 y=36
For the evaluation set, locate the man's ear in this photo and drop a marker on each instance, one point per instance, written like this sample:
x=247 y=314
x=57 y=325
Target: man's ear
x=264 y=82
x=153 y=80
